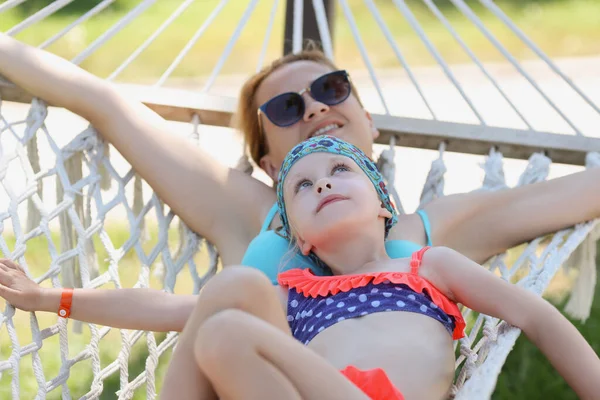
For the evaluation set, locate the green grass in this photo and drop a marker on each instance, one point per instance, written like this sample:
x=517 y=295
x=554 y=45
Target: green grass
x=561 y=28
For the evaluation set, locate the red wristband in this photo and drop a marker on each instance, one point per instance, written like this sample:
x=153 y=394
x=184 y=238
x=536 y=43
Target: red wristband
x=65 y=303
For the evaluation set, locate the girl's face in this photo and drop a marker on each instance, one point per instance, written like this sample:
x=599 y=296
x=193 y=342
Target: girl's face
x=348 y=119
x=327 y=195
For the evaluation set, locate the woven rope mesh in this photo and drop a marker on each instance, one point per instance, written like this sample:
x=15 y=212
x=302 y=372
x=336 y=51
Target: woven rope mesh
x=80 y=252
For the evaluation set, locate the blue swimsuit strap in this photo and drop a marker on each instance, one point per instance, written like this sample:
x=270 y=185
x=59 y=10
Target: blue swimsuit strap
x=269 y=218
x=426 y=225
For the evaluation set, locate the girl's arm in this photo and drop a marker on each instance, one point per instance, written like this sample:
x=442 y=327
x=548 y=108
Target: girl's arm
x=482 y=224
x=141 y=309
x=224 y=205
x=468 y=283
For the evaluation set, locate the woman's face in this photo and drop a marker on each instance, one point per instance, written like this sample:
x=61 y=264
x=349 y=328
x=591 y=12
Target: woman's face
x=352 y=123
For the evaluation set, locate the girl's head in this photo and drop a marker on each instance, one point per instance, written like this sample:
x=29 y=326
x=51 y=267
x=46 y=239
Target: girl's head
x=281 y=82
x=328 y=187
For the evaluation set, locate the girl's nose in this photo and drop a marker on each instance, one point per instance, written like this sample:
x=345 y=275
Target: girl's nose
x=322 y=185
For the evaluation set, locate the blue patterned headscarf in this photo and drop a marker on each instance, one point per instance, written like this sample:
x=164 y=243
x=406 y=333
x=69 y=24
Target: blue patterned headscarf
x=331 y=144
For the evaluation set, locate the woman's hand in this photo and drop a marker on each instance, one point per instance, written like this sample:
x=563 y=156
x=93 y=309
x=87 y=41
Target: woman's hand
x=17 y=289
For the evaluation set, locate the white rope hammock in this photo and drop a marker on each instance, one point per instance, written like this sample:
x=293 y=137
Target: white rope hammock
x=90 y=189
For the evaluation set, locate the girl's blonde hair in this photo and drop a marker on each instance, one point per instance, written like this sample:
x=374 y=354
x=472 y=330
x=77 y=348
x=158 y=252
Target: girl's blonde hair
x=246 y=118
x=289 y=255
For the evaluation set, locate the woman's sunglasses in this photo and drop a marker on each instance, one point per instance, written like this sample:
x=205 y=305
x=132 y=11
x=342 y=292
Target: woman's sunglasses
x=288 y=108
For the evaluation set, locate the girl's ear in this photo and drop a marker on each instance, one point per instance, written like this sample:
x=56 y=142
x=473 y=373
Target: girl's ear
x=384 y=212
x=304 y=246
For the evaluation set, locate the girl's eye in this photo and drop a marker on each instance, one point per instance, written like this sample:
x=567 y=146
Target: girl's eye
x=303 y=184
x=340 y=168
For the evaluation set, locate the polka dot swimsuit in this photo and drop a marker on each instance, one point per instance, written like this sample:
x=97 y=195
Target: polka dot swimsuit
x=308 y=316
x=316 y=303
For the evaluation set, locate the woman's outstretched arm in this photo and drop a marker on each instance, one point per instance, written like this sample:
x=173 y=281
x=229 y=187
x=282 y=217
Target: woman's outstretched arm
x=224 y=205
x=482 y=224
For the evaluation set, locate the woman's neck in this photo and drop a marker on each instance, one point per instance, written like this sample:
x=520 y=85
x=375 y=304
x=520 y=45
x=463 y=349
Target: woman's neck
x=352 y=253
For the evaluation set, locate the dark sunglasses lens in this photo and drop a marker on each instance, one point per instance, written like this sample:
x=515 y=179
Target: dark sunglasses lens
x=331 y=89
x=285 y=109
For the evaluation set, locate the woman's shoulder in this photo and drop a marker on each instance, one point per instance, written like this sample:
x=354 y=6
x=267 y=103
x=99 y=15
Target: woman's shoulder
x=410 y=227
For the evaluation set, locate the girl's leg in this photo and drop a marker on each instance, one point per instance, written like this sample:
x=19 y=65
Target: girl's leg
x=243 y=288
x=246 y=358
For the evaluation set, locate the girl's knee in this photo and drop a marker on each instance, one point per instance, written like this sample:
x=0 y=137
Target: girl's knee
x=245 y=275
x=238 y=281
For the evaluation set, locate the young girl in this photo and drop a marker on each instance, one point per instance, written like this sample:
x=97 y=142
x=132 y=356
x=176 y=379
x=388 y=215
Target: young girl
x=386 y=324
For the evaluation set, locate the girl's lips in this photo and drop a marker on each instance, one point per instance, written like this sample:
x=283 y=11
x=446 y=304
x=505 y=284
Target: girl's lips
x=332 y=198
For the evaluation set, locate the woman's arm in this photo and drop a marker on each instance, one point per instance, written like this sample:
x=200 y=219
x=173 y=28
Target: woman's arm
x=221 y=204
x=482 y=224
x=468 y=283
x=142 y=309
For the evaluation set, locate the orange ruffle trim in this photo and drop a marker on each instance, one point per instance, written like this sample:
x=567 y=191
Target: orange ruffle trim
x=310 y=285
